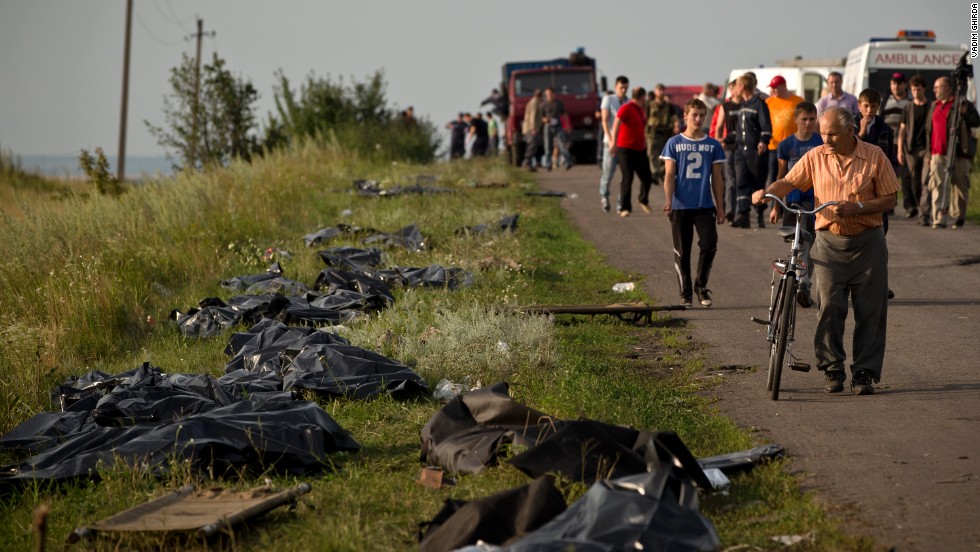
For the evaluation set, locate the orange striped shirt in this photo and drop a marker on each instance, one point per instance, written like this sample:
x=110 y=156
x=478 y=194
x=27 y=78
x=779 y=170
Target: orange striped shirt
x=863 y=175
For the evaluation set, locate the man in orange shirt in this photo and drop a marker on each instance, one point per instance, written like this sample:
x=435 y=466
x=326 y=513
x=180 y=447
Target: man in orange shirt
x=782 y=106
x=850 y=258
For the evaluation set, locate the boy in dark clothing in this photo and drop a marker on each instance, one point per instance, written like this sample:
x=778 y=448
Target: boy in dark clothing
x=872 y=129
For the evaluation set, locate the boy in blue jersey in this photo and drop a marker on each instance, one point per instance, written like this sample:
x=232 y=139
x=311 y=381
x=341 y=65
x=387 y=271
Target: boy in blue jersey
x=788 y=152
x=693 y=186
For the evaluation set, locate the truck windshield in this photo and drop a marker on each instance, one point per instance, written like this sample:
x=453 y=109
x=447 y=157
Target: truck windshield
x=567 y=82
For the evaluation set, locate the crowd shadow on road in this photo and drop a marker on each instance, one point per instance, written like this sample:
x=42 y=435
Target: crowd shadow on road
x=918 y=392
x=932 y=302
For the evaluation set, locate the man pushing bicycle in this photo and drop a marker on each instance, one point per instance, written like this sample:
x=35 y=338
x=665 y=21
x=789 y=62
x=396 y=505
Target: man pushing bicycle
x=849 y=254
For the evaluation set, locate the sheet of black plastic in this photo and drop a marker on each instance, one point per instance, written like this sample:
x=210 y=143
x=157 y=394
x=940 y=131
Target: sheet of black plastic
x=241 y=283
x=326 y=234
x=496 y=519
x=505 y=224
x=351 y=259
x=373 y=188
x=207 y=321
x=292 y=437
x=737 y=462
x=630 y=513
x=547 y=193
x=587 y=450
x=332 y=281
x=430 y=276
x=350 y=371
x=409 y=237
x=318 y=361
x=469 y=432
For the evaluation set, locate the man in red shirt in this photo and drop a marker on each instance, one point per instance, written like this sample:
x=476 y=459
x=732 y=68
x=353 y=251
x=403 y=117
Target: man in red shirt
x=938 y=134
x=629 y=145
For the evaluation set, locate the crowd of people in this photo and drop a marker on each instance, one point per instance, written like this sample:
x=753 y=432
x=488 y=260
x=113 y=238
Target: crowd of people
x=717 y=159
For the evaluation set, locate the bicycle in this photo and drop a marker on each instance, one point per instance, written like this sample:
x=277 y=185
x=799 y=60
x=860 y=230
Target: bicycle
x=782 y=297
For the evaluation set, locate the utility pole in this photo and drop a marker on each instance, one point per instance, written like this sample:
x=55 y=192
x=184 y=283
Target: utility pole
x=121 y=162
x=196 y=134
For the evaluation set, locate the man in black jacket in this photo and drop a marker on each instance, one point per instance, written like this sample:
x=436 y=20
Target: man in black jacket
x=753 y=130
x=913 y=150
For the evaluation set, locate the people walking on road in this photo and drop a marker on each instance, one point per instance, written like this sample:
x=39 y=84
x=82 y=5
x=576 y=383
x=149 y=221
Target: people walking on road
x=552 y=112
x=693 y=186
x=836 y=97
x=724 y=132
x=788 y=154
x=479 y=134
x=457 y=137
x=630 y=148
x=531 y=130
x=891 y=113
x=939 y=133
x=709 y=95
x=662 y=123
x=494 y=131
x=781 y=104
x=753 y=131
x=913 y=152
x=608 y=110
x=850 y=257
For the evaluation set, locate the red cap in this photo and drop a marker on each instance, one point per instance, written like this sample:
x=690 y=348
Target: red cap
x=776 y=81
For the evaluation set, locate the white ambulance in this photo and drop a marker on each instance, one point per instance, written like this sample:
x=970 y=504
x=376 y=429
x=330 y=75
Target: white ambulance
x=872 y=64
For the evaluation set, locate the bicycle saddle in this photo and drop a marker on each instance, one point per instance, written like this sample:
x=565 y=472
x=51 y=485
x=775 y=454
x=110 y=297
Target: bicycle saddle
x=787 y=233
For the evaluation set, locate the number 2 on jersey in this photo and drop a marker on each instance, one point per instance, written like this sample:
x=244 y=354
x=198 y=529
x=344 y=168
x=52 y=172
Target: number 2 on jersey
x=694 y=162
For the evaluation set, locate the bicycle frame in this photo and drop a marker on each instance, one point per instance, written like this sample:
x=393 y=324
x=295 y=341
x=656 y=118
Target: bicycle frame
x=781 y=323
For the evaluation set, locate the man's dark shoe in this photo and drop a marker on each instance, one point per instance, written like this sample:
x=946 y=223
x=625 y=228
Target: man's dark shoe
x=761 y=220
x=912 y=213
x=862 y=383
x=741 y=220
x=803 y=297
x=835 y=381
x=704 y=296
x=891 y=294
x=686 y=301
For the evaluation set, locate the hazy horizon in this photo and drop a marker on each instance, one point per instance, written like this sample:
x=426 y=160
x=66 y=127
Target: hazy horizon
x=61 y=61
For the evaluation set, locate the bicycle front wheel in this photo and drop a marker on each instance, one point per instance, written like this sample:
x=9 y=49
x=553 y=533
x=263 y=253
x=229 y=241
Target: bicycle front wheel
x=784 y=317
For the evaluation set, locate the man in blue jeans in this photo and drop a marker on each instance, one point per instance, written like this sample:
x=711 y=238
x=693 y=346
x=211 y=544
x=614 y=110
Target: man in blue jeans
x=610 y=106
x=554 y=135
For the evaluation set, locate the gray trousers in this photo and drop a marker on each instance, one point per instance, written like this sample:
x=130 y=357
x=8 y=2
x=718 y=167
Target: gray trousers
x=855 y=267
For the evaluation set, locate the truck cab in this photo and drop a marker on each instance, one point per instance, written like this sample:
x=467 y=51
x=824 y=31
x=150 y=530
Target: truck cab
x=574 y=82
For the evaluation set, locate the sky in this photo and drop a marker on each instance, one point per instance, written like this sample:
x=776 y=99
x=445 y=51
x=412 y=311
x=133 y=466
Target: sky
x=61 y=61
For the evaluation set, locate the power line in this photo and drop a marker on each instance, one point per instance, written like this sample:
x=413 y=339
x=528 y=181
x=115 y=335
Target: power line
x=172 y=18
x=151 y=34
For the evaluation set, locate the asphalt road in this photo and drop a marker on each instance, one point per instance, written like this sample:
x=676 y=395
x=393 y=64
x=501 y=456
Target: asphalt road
x=902 y=465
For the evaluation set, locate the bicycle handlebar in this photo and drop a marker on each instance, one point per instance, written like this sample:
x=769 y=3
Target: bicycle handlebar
x=799 y=211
